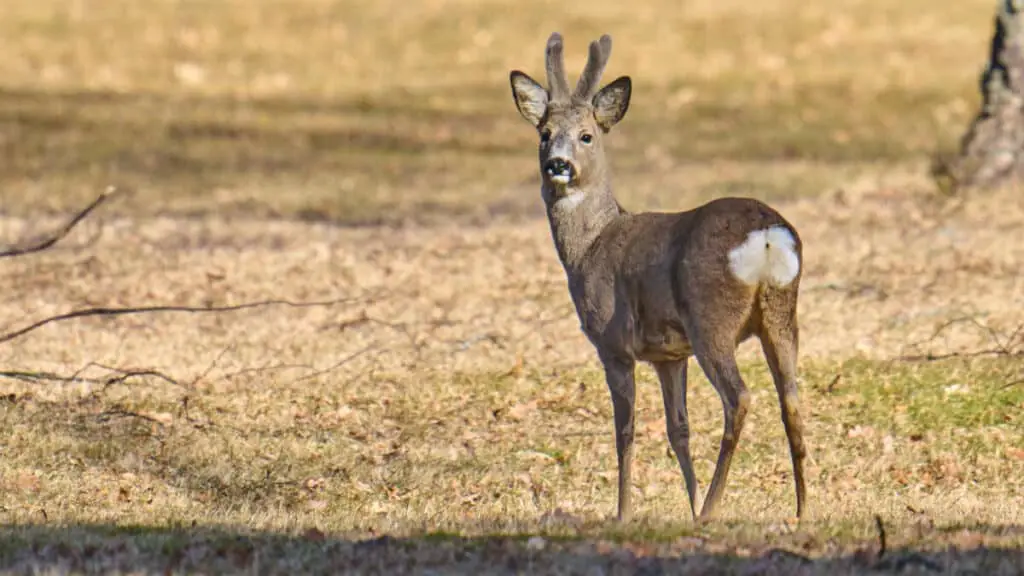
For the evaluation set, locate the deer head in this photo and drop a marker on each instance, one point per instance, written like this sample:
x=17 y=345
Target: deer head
x=571 y=124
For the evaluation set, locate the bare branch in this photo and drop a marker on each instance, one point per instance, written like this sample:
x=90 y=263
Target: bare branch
x=266 y=367
x=122 y=413
x=1013 y=383
x=53 y=238
x=34 y=377
x=122 y=375
x=338 y=364
x=880 y=526
x=209 y=368
x=972 y=354
x=900 y=560
x=89 y=312
x=1003 y=344
x=126 y=374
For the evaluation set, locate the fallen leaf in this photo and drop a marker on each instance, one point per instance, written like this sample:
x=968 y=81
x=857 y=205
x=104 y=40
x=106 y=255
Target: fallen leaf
x=28 y=481
x=860 y=432
x=654 y=426
x=956 y=389
x=521 y=411
x=165 y=418
x=900 y=476
x=967 y=540
x=517 y=369
x=536 y=544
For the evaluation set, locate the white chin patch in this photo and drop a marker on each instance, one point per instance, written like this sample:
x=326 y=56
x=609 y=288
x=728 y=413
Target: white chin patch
x=569 y=202
x=560 y=179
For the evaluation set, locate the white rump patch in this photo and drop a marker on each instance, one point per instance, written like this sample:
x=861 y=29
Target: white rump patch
x=766 y=256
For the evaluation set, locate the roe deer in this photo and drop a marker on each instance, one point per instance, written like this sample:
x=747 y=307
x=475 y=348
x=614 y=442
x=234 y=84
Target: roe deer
x=661 y=287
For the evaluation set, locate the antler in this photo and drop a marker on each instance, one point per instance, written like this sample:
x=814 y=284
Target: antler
x=588 y=83
x=557 y=80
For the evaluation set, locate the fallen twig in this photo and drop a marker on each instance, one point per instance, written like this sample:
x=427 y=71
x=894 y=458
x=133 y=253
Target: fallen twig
x=881 y=536
x=268 y=367
x=89 y=312
x=209 y=368
x=122 y=413
x=1013 y=383
x=125 y=374
x=336 y=365
x=1003 y=344
x=122 y=376
x=948 y=355
x=900 y=560
x=53 y=238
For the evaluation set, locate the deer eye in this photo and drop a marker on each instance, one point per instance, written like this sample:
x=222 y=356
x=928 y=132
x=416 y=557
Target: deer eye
x=586 y=138
x=545 y=136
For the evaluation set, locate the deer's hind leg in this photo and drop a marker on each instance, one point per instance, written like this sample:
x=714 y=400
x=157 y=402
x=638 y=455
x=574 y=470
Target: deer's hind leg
x=779 y=336
x=713 y=337
x=721 y=369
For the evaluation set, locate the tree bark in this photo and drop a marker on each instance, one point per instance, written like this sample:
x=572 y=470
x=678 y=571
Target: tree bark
x=991 y=153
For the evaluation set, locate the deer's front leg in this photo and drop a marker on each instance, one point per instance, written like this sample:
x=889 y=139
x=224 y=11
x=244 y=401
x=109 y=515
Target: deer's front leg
x=619 y=375
x=673 y=390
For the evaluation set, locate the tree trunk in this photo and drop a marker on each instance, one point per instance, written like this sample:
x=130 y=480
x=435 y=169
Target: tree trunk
x=992 y=151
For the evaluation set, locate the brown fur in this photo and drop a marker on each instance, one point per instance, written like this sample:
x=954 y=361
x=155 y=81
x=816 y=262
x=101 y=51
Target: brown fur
x=656 y=287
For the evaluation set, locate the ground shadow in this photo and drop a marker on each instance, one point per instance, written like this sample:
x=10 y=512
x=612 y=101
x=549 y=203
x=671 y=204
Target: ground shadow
x=322 y=159
x=265 y=129
x=397 y=156
x=150 y=550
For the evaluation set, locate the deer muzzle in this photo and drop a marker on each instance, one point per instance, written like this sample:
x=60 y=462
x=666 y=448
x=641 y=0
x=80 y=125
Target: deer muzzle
x=560 y=171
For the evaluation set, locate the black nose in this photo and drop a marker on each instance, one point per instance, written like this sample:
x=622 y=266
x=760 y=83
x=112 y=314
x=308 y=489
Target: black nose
x=558 y=167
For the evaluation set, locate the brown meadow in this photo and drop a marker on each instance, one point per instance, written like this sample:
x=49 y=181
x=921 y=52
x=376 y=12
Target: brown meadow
x=449 y=415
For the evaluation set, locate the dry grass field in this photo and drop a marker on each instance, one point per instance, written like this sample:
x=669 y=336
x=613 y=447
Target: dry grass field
x=443 y=413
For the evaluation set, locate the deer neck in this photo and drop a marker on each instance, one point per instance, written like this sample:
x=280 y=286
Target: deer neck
x=577 y=220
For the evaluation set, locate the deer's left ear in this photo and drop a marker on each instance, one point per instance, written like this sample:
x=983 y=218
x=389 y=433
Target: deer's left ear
x=611 y=102
x=531 y=98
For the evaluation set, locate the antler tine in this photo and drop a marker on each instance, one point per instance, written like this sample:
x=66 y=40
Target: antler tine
x=557 y=80
x=589 y=81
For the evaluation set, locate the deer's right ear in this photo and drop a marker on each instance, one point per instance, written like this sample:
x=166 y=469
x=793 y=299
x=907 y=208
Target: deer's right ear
x=531 y=98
